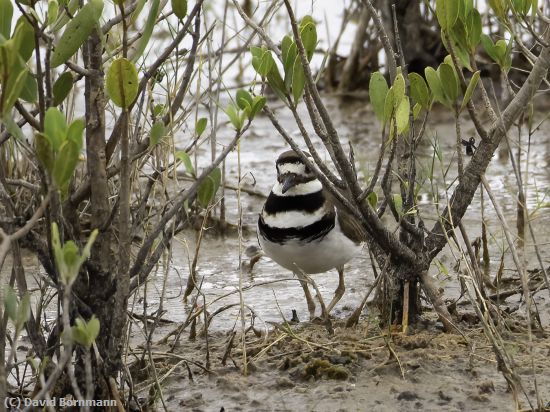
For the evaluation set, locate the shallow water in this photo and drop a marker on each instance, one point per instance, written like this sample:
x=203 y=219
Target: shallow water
x=271 y=292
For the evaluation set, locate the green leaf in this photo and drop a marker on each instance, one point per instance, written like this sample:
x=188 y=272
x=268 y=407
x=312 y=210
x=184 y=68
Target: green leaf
x=6 y=14
x=147 y=30
x=389 y=106
x=305 y=20
x=208 y=188
x=64 y=164
x=500 y=8
x=257 y=104
x=76 y=32
x=67 y=259
x=139 y=8
x=29 y=92
x=186 y=160
x=440 y=13
x=13 y=75
x=78 y=333
x=419 y=90
x=286 y=43
x=62 y=87
x=257 y=63
x=29 y=3
x=88 y=247
x=23 y=38
x=308 y=34
x=243 y=115
x=402 y=115
x=276 y=82
x=416 y=110
x=55 y=127
x=93 y=327
x=23 y=311
x=234 y=117
x=447 y=13
x=378 y=89
x=200 y=126
x=157 y=133
x=206 y=192
x=474 y=32
x=470 y=90
x=500 y=50
x=398 y=202
x=398 y=87
x=435 y=84
x=466 y=7
x=179 y=7
x=372 y=199
x=441 y=267
x=266 y=63
x=489 y=47
x=74 y=132
x=298 y=80
x=534 y=8
x=63 y=16
x=85 y=333
x=458 y=38
x=13 y=88
x=158 y=110
x=262 y=60
x=13 y=128
x=243 y=99
x=70 y=254
x=53 y=9
x=10 y=303
x=449 y=81
x=44 y=151
x=122 y=82
x=257 y=53
x=288 y=64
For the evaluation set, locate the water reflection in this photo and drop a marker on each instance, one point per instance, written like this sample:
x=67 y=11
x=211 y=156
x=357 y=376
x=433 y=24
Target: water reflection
x=270 y=289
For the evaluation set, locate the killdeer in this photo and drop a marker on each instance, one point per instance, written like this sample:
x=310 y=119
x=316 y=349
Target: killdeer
x=302 y=230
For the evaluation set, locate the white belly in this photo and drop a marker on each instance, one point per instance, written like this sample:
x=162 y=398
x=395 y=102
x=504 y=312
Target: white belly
x=332 y=251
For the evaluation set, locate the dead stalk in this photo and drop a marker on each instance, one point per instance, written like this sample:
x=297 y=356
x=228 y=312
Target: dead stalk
x=241 y=272
x=523 y=275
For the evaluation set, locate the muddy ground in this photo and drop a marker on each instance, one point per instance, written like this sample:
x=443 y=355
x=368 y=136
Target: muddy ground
x=302 y=367
x=365 y=368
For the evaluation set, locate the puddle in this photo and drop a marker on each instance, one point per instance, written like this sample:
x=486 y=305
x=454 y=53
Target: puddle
x=270 y=290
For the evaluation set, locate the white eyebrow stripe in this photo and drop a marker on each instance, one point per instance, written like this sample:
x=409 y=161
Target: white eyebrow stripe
x=296 y=168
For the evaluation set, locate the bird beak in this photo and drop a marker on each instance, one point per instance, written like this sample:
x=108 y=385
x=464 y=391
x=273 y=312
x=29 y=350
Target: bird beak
x=289 y=181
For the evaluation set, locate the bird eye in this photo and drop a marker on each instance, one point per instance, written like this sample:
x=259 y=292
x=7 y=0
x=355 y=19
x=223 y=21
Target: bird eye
x=307 y=169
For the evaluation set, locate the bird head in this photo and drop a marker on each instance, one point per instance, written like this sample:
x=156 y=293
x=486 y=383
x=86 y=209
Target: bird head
x=291 y=171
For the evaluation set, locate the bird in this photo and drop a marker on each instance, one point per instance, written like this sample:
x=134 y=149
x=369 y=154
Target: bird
x=470 y=145
x=302 y=227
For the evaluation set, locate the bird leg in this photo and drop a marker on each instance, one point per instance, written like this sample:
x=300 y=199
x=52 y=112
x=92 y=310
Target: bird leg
x=339 y=292
x=309 y=298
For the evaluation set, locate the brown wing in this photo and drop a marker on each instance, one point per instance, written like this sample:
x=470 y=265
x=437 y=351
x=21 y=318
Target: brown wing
x=351 y=227
x=349 y=224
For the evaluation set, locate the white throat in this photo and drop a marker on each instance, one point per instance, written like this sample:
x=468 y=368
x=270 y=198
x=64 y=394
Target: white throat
x=300 y=189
